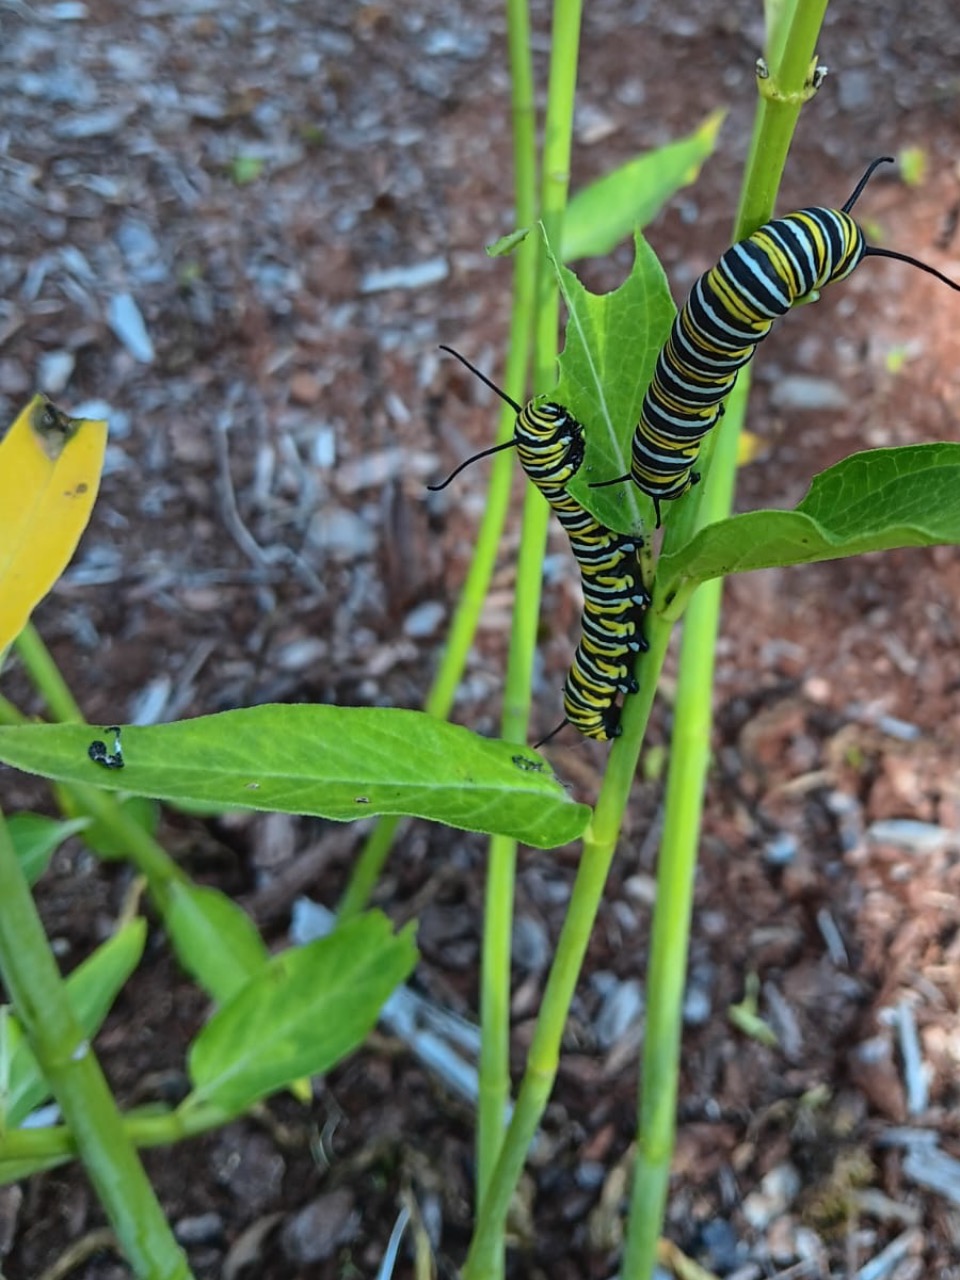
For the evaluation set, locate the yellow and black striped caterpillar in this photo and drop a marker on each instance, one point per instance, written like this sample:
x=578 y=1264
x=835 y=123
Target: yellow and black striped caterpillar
x=550 y=445
x=731 y=309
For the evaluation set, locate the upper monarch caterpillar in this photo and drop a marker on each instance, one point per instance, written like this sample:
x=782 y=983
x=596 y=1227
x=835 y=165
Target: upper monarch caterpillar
x=550 y=446
x=731 y=309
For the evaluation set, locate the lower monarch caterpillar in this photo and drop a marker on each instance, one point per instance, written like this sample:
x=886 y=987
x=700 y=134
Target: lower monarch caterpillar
x=550 y=445
x=730 y=310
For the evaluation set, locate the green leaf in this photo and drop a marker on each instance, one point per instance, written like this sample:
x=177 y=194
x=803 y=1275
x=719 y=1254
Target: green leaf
x=599 y=216
x=506 y=244
x=91 y=990
x=873 y=501
x=602 y=381
x=215 y=940
x=311 y=1007
x=333 y=762
x=35 y=838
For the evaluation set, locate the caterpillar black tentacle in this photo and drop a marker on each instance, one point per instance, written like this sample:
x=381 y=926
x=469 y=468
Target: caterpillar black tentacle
x=730 y=310
x=550 y=447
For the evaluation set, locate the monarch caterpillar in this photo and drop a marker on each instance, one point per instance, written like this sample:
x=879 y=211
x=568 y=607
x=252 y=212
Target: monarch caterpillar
x=730 y=310
x=550 y=445
x=99 y=754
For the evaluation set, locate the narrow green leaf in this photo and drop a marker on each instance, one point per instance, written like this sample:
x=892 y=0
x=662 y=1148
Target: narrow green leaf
x=35 y=838
x=598 y=217
x=503 y=247
x=91 y=989
x=310 y=1007
x=333 y=762
x=215 y=940
x=873 y=501
x=611 y=347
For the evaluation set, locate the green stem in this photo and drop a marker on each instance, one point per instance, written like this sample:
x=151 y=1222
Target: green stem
x=68 y=1064
x=495 y=975
x=494 y=1065
x=689 y=758
x=45 y=674
x=781 y=100
x=463 y=625
x=792 y=62
x=598 y=850
x=35 y=1148
x=494 y=1082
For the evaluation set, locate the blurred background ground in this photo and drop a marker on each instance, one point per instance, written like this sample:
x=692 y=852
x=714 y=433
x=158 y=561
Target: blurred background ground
x=295 y=198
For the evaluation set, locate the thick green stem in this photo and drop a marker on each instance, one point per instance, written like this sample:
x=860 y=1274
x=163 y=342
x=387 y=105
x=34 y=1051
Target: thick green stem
x=792 y=81
x=789 y=85
x=666 y=976
x=68 y=1064
x=598 y=850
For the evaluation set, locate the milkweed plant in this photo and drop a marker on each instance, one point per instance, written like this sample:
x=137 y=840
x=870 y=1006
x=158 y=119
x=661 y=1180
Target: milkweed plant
x=278 y=1019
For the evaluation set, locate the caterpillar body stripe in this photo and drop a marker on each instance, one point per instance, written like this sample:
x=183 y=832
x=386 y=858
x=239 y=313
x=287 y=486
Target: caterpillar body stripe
x=550 y=446
x=730 y=310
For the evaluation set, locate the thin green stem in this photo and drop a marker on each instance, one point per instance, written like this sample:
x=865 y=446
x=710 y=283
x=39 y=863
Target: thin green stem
x=463 y=625
x=494 y=1066
x=494 y=1081
x=68 y=1064
x=782 y=95
x=488 y=1260
x=26 y=1151
x=45 y=674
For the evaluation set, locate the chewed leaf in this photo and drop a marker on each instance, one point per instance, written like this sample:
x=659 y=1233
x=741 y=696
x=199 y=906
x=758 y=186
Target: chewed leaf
x=611 y=346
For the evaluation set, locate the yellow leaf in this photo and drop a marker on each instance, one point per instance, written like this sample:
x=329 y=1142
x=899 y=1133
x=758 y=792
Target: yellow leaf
x=50 y=468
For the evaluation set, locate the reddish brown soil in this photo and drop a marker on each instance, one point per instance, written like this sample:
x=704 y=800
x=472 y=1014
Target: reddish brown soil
x=228 y=563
